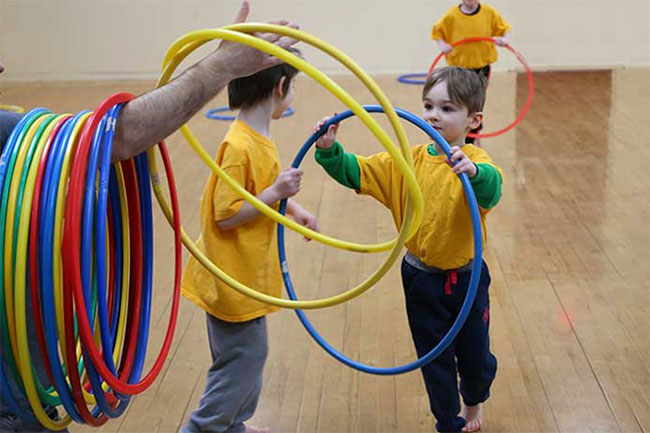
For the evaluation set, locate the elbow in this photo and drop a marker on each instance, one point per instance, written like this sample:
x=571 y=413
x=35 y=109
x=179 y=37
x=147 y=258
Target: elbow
x=122 y=147
x=226 y=225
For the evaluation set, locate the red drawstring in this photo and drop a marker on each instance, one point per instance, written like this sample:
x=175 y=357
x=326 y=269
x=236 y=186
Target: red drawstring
x=452 y=278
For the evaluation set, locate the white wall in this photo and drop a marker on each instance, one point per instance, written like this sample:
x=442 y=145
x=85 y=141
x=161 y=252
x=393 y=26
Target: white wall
x=102 y=39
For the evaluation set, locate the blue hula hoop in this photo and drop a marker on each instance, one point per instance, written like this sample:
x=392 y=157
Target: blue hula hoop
x=416 y=78
x=45 y=253
x=116 y=212
x=476 y=264
x=101 y=141
x=12 y=377
x=213 y=114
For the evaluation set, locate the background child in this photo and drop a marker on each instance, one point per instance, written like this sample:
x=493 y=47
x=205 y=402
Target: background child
x=242 y=242
x=471 y=19
x=436 y=267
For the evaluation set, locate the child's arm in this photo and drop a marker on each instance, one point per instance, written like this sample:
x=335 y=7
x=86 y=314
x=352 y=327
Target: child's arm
x=485 y=179
x=502 y=41
x=301 y=216
x=341 y=166
x=444 y=46
x=286 y=185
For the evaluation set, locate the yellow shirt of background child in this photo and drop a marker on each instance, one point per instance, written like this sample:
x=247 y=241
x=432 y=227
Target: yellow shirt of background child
x=455 y=25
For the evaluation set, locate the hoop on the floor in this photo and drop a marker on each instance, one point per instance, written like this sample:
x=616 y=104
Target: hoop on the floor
x=529 y=75
x=476 y=264
x=415 y=78
x=214 y=113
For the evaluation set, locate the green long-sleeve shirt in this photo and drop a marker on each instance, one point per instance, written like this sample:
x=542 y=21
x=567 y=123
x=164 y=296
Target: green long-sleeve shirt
x=343 y=168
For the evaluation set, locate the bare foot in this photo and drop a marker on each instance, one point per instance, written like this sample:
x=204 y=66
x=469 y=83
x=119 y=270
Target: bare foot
x=253 y=429
x=474 y=417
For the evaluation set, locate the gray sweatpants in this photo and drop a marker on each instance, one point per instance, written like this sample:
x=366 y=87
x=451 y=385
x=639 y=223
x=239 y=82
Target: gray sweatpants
x=234 y=380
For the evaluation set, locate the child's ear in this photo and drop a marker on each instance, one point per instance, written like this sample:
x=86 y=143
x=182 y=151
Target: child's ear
x=278 y=90
x=475 y=120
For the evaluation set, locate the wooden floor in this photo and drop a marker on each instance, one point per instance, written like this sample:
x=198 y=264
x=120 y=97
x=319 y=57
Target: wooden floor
x=568 y=249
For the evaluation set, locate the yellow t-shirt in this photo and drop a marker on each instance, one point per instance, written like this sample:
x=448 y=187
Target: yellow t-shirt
x=247 y=253
x=445 y=238
x=455 y=25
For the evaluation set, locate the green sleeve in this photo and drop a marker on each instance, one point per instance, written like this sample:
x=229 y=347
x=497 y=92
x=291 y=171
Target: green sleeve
x=341 y=166
x=487 y=186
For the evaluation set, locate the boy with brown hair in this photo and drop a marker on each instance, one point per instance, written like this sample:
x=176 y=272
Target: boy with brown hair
x=436 y=267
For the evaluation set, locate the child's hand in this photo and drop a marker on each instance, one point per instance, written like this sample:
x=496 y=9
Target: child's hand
x=305 y=218
x=326 y=141
x=444 y=47
x=288 y=183
x=501 y=41
x=460 y=163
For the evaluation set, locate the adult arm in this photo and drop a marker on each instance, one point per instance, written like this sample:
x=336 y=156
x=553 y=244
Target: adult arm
x=150 y=118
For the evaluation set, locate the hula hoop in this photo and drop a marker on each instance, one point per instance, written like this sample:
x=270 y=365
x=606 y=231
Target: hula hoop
x=183 y=46
x=476 y=264
x=529 y=75
x=15 y=108
x=415 y=78
x=213 y=114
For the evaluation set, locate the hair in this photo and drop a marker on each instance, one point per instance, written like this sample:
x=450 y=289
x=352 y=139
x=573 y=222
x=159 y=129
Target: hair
x=464 y=86
x=248 y=91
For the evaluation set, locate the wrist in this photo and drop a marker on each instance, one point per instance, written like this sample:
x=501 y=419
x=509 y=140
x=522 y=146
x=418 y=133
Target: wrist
x=216 y=68
x=272 y=195
x=473 y=175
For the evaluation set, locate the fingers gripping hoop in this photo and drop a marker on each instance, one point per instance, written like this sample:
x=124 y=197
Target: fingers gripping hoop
x=476 y=264
x=239 y=33
x=529 y=76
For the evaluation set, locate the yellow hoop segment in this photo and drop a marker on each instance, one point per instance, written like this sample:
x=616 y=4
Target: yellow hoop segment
x=412 y=217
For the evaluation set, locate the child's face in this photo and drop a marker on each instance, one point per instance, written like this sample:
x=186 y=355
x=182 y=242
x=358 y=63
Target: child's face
x=450 y=119
x=283 y=102
x=470 y=4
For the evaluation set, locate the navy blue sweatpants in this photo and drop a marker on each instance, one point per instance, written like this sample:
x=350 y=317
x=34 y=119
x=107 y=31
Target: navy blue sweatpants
x=433 y=301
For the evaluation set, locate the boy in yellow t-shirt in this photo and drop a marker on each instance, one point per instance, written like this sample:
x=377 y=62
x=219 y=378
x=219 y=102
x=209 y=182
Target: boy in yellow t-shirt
x=471 y=19
x=242 y=242
x=436 y=267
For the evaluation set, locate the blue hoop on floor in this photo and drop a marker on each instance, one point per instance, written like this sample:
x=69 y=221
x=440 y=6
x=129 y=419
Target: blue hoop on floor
x=476 y=264
x=411 y=78
x=212 y=114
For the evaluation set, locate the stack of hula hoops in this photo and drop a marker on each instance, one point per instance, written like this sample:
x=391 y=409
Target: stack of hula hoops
x=76 y=267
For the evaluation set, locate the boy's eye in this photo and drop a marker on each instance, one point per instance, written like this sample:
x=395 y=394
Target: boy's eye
x=447 y=109
x=427 y=106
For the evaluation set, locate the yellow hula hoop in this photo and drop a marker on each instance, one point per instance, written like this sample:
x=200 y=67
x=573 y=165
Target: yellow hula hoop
x=183 y=46
x=14 y=108
x=9 y=232
x=126 y=264
x=413 y=213
x=57 y=239
x=24 y=358
x=21 y=262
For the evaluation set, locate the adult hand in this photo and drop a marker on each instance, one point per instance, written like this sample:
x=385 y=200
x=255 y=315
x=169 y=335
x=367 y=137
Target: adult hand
x=244 y=60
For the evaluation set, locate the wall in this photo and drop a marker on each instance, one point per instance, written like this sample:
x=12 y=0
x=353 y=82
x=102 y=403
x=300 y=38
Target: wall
x=100 y=39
